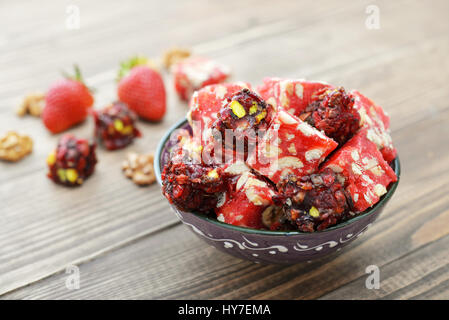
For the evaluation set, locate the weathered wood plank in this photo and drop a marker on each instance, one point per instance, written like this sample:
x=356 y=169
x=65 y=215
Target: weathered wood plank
x=123 y=30
x=424 y=273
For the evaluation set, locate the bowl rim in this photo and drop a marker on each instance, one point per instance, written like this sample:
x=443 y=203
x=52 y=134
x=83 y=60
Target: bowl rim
x=383 y=200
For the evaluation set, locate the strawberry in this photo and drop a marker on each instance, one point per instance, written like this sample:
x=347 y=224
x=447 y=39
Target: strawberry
x=141 y=87
x=66 y=103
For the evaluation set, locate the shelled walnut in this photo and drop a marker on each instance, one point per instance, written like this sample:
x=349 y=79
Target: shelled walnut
x=32 y=104
x=139 y=168
x=13 y=147
x=174 y=55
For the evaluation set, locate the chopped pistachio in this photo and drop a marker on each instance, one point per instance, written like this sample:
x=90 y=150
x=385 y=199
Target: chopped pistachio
x=118 y=125
x=128 y=130
x=238 y=109
x=261 y=115
x=51 y=159
x=62 y=175
x=314 y=212
x=72 y=175
x=253 y=108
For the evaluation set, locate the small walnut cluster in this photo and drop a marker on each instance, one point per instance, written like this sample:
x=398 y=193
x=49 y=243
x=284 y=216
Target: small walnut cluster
x=139 y=168
x=32 y=104
x=13 y=147
x=174 y=55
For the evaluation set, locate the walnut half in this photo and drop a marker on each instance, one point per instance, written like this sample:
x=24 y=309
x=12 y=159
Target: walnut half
x=32 y=104
x=13 y=147
x=139 y=168
x=174 y=55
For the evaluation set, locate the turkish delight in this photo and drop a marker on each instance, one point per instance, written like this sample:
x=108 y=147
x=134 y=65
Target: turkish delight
x=290 y=147
x=361 y=168
x=195 y=73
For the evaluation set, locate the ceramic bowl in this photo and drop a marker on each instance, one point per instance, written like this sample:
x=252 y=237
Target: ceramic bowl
x=263 y=246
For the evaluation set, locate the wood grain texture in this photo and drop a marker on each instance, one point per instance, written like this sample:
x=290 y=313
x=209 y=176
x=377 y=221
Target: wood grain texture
x=125 y=239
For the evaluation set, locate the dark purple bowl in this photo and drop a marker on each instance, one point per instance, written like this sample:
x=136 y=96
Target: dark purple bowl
x=263 y=246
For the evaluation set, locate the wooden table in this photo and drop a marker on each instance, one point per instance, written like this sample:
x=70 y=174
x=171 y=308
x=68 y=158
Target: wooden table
x=125 y=240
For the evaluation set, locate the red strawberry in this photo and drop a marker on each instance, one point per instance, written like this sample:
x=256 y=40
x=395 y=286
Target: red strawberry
x=141 y=87
x=66 y=103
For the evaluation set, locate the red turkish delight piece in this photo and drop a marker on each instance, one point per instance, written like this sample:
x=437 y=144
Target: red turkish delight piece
x=205 y=105
x=195 y=73
x=246 y=199
x=186 y=149
x=292 y=95
x=239 y=211
x=377 y=122
x=115 y=126
x=241 y=119
x=242 y=111
x=314 y=202
x=362 y=170
x=191 y=185
x=334 y=114
x=290 y=146
x=72 y=162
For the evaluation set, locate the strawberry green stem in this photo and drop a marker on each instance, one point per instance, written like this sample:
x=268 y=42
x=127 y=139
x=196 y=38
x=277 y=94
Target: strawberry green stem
x=128 y=65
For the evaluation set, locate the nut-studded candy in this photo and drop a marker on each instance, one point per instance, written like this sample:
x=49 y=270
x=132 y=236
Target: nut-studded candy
x=189 y=148
x=292 y=95
x=205 y=105
x=72 y=162
x=245 y=201
x=248 y=200
x=361 y=168
x=190 y=185
x=240 y=121
x=377 y=123
x=334 y=114
x=296 y=95
x=244 y=110
x=13 y=147
x=290 y=146
x=115 y=126
x=195 y=73
x=314 y=202
x=139 y=168
x=239 y=211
